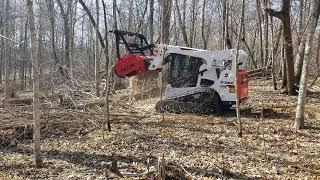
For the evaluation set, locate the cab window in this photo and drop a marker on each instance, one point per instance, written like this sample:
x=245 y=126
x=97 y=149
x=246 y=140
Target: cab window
x=183 y=70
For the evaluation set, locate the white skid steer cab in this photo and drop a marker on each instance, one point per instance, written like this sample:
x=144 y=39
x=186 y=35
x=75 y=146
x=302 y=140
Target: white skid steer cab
x=198 y=81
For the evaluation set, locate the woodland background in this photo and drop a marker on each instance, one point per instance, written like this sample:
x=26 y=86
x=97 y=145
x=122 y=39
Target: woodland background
x=56 y=77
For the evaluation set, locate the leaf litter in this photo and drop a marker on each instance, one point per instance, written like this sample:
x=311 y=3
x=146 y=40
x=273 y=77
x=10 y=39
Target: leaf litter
x=194 y=146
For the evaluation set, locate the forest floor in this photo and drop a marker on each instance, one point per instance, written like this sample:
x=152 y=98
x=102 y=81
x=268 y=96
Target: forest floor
x=194 y=146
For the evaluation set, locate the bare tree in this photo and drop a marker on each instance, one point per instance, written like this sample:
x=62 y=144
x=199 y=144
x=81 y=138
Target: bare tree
x=301 y=44
x=226 y=37
x=67 y=35
x=7 y=56
x=236 y=69
x=36 y=89
x=151 y=31
x=223 y=22
x=24 y=45
x=266 y=33
x=259 y=28
x=284 y=16
x=106 y=52
x=115 y=22
x=311 y=27
x=283 y=64
x=130 y=16
x=97 y=54
x=274 y=81
x=182 y=25
x=318 y=52
x=105 y=48
x=2 y=41
x=203 y=35
x=57 y=62
x=299 y=60
x=165 y=20
x=193 y=21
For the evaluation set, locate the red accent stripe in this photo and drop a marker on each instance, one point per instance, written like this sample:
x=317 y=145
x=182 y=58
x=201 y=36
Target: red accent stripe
x=188 y=49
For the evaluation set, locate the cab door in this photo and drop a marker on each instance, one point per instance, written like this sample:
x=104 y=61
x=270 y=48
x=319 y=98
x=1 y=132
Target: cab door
x=182 y=74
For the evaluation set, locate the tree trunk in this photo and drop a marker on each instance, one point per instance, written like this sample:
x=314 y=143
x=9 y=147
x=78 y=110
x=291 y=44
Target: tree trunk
x=184 y=11
x=301 y=43
x=73 y=18
x=2 y=55
x=130 y=16
x=236 y=70
x=151 y=20
x=142 y=17
x=284 y=16
x=176 y=35
x=259 y=27
x=274 y=81
x=299 y=61
x=36 y=99
x=40 y=39
x=105 y=48
x=266 y=34
x=67 y=33
x=288 y=47
x=251 y=55
x=228 y=43
x=318 y=52
x=114 y=13
x=108 y=76
x=116 y=81
x=300 y=23
x=7 y=56
x=284 y=66
x=24 y=41
x=30 y=74
x=204 y=37
x=182 y=25
x=165 y=21
x=97 y=55
x=223 y=24
x=193 y=21
x=50 y=6
x=311 y=27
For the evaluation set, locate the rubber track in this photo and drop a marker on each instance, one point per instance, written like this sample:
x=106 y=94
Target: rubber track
x=201 y=102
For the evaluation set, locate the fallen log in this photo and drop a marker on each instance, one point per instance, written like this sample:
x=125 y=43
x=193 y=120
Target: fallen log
x=19 y=101
x=29 y=122
x=315 y=79
x=264 y=71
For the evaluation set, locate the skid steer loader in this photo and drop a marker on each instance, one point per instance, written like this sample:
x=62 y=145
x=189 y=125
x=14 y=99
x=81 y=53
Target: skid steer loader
x=197 y=80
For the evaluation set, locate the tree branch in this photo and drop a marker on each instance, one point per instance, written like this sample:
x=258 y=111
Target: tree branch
x=61 y=8
x=86 y=9
x=273 y=13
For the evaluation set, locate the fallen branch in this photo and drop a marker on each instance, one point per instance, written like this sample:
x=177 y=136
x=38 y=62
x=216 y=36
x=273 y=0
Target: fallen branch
x=315 y=79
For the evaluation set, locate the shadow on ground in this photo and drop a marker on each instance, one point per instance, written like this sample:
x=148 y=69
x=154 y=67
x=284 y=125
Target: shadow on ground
x=246 y=112
x=250 y=112
x=95 y=161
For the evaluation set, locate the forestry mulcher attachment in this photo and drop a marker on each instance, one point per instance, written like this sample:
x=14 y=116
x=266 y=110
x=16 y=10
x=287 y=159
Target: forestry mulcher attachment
x=198 y=81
